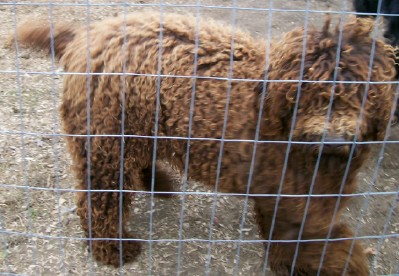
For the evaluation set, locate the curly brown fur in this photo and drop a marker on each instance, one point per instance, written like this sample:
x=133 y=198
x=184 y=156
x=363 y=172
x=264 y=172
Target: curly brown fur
x=41 y=35
x=249 y=57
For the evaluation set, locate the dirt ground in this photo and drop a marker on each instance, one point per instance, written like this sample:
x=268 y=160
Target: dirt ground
x=34 y=213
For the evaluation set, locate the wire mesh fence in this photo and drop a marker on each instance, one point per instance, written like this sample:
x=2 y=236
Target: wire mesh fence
x=198 y=229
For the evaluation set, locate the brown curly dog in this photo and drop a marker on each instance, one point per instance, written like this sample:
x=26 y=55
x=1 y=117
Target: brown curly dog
x=107 y=52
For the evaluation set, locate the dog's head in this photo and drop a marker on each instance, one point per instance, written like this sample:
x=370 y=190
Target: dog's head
x=356 y=107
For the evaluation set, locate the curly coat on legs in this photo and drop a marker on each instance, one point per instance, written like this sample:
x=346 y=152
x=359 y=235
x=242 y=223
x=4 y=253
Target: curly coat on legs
x=140 y=56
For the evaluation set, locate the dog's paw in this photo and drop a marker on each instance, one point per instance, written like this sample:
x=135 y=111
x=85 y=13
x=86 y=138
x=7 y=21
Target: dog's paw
x=108 y=252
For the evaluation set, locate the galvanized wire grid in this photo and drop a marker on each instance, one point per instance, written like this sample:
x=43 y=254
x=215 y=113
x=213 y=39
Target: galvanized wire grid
x=161 y=5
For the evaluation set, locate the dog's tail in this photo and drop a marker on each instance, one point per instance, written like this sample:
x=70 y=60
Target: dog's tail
x=41 y=36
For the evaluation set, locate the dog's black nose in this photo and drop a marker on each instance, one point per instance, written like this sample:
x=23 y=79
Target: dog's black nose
x=337 y=145
x=335 y=139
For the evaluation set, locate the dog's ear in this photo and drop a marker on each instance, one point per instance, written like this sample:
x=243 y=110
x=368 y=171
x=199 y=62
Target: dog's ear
x=276 y=111
x=382 y=108
x=381 y=125
x=380 y=129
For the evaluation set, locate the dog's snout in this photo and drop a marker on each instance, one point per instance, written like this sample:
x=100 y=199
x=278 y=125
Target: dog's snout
x=335 y=139
x=337 y=145
x=330 y=144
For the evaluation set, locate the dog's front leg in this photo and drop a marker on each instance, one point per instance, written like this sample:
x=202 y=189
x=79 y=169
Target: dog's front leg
x=307 y=257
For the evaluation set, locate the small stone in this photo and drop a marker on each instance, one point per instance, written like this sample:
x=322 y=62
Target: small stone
x=25 y=56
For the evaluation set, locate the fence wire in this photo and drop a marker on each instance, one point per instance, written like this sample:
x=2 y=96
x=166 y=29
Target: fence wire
x=62 y=235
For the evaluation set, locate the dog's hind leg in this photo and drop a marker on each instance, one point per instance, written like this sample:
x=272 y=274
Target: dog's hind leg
x=281 y=255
